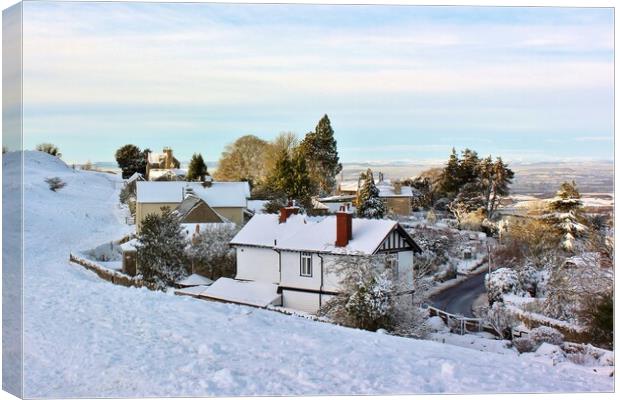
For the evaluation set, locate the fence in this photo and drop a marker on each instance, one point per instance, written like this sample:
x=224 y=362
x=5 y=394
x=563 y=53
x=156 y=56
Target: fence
x=107 y=274
x=459 y=323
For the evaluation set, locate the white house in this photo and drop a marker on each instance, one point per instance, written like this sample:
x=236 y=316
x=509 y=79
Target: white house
x=226 y=199
x=298 y=253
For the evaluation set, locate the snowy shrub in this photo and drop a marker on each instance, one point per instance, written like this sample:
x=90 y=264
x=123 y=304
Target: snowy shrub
x=528 y=279
x=49 y=149
x=105 y=252
x=370 y=300
x=546 y=334
x=500 y=282
x=211 y=255
x=597 y=314
x=436 y=324
x=160 y=248
x=524 y=344
x=55 y=183
x=501 y=320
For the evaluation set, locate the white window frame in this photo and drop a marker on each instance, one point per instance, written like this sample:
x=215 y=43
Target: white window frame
x=305 y=265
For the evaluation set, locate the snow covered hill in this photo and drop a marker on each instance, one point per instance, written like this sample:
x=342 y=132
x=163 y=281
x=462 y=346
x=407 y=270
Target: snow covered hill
x=87 y=337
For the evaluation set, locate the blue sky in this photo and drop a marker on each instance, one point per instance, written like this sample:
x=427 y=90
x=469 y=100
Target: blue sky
x=399 y=83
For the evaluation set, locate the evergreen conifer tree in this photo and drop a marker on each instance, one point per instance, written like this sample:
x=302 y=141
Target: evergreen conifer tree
x=160 y=249
x=291 y=179
x=449 y=182
x=565 y=214
x=320 y=150
x=368 y=203
x=197 y=168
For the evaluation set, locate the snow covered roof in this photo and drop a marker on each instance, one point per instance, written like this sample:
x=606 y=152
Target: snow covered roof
x=387 y=190
x=368 y=234
x=336 y=199
x=194 y=280
x=301 y=233
x=257 y=294
x=265 y=230
x=130 y=245
x=157 y=173
x=136 y=176
x=317 y=205
x=224 y=194
x=348 y=186
x=256 y=206
x=219 y=194
x=189 y=229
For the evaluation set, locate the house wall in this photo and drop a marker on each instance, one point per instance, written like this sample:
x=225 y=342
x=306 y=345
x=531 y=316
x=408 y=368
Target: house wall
x=405 y=268
x=291 y=272
x=398 y=205
x=304 y=301
x=257 y=264
x=143 y=209
x=234 y=214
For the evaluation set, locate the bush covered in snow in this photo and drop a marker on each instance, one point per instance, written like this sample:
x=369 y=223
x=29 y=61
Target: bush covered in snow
x=500 y=319
x=210 y=253
x=546 y=334
x=160 y=248
x=502 y=281
x=371 y=300
x=55 y=183
x=105 y=252
x=524 y=344
x=536 y=337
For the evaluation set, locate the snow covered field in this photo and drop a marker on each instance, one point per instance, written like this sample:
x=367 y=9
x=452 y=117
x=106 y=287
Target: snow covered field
x=88 y=338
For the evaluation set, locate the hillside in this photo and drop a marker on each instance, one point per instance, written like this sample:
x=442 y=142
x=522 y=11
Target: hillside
x=88 y=338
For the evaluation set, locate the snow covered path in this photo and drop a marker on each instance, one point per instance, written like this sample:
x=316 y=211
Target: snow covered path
x=87 y=337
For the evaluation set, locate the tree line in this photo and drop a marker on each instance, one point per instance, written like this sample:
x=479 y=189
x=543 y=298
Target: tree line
x=285 y=169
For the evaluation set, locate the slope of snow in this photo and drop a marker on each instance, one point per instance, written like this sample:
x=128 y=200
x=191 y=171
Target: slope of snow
x=89 y=338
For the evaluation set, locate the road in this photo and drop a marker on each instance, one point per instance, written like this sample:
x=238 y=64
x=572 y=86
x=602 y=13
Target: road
x=460 y=298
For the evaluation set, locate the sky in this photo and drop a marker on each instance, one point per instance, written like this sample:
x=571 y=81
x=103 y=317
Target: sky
x=399 y=83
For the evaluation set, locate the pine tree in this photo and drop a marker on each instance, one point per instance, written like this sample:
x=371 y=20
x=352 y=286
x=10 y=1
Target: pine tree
x=160 y=249
x=197 y=168
x=566 y=214
x=320 y=150
x=449 y=182
x=368 y=202
x=493 y=179
x=291 y=179
x=468 y=167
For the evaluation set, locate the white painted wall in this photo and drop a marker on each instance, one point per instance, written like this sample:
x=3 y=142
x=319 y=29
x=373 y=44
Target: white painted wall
x=302 y=301
x=291 y=271
x=257 y=264
x=405 y=267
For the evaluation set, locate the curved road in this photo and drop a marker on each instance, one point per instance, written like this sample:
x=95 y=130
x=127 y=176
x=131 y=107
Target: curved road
x=460 y=299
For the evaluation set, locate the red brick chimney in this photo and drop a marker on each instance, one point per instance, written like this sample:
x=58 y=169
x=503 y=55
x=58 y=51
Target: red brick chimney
x=344 y=227
x=286 y=212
